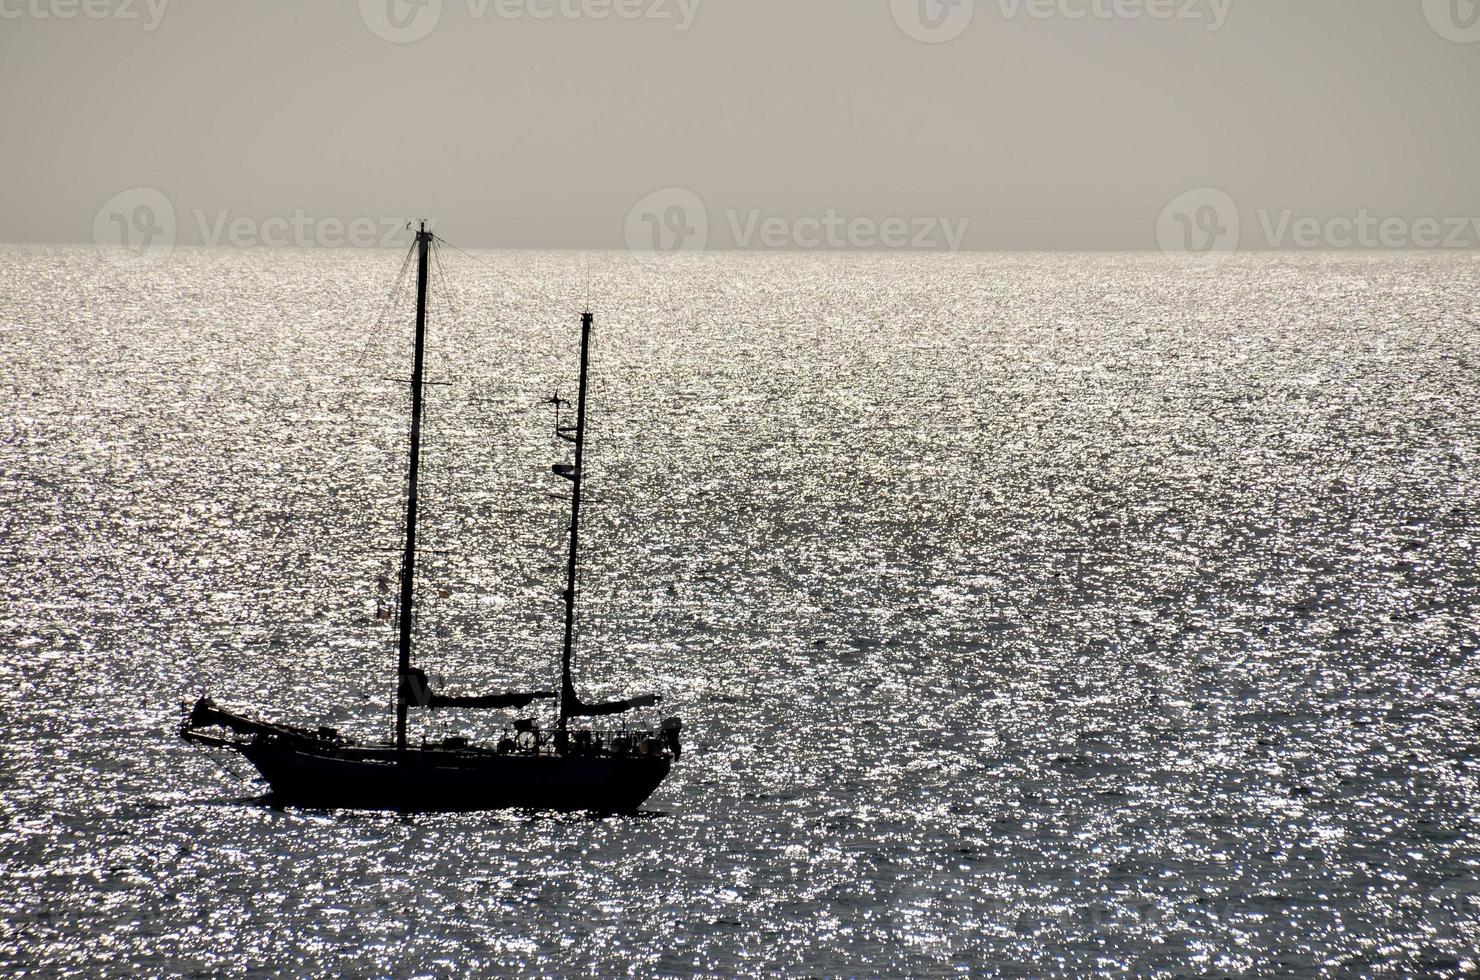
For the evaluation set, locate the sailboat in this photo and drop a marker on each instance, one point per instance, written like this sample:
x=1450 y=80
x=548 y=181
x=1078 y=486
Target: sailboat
x=564 y=767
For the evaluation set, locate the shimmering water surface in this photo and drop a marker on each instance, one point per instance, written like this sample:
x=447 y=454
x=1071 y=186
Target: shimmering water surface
x=1029 y=615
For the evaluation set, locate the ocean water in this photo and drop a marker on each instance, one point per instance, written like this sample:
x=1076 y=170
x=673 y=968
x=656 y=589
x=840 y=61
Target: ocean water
x=1029 y=615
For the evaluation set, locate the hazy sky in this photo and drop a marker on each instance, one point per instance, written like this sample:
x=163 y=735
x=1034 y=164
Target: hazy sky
x=1041 y=123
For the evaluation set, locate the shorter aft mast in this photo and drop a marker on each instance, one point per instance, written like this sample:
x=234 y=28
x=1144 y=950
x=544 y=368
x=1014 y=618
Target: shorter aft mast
x=571 y=705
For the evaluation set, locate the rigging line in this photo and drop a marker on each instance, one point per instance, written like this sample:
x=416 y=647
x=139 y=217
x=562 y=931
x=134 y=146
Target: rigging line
x=385 y=308
x=387 y=305
x=438 y=242
x=442 y=270
x=445 y=281
x=441 y=482
x=376 y=439
x=439 y=238
x=292 y=505
x=483 y=262
x=434 y=489
x=397 y=289
x=292 y=509
x=440 y=273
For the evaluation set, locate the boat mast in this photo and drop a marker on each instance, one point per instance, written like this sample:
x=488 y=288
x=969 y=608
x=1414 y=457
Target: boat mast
x=567 y=689
x=408 y=561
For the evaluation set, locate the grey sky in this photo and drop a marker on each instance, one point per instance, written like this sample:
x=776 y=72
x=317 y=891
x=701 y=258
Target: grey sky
x=1045 y=132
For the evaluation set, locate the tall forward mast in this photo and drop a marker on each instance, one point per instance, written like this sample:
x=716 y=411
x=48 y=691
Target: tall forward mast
x=404 y=678
x=571 y=705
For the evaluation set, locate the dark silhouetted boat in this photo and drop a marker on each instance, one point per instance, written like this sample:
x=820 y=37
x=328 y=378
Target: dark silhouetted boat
x=566 y=767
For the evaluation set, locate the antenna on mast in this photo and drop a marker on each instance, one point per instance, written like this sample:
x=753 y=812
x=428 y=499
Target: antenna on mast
x=586 y=275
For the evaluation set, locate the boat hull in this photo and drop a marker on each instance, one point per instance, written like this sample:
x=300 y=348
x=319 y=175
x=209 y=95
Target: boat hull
x=422 y=780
